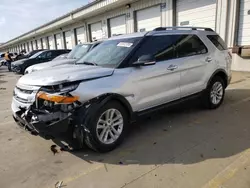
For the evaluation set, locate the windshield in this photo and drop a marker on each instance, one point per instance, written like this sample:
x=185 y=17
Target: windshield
x=79 y=51
x=36 y=55
x=110 y=53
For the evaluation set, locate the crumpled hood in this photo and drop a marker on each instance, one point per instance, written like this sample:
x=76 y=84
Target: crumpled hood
x=64 y=73
x=50 y=64
x=19 y=62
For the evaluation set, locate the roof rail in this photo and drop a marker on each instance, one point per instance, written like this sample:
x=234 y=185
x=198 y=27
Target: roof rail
x=176 y=28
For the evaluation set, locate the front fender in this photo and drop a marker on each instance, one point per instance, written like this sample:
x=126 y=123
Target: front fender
x=86 y=111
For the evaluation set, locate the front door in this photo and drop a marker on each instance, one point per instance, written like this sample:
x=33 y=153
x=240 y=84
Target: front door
x=159 y=83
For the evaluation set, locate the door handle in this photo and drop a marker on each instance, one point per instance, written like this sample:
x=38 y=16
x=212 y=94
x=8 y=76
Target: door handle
x=172 y=67
x=208 y=59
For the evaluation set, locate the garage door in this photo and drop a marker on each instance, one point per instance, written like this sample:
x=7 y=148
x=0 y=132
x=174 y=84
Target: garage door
x=244 y=23
x=117 y=25
x=30 y=46
x=96 y=31
x=51 y=43
x=68 y=40
x=58 y=41
x=39 y=44
x=198 y=13
x=148 y=19
x=34 y=45
x=44 y=42
x=24 y=46
x=80 y=35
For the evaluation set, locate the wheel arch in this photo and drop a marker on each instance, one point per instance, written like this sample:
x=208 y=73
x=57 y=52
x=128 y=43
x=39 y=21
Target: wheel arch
x=105 y=98
x=222 y=74
x=121 y=99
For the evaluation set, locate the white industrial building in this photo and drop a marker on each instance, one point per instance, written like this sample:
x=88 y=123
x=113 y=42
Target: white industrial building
x=105 y=18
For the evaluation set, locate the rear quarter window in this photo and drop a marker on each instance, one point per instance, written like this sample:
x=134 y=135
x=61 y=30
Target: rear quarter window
x=217 y=41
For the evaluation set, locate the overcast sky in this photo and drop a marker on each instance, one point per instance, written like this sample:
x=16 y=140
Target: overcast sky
x=20 y=16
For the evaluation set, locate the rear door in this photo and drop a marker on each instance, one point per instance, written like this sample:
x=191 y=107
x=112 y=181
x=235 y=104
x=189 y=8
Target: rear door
x=193 y=61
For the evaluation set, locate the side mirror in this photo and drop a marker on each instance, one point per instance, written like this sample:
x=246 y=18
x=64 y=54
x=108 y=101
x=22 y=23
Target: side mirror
x=145 y=60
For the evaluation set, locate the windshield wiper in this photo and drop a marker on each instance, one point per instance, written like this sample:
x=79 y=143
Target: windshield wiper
x=89 y=63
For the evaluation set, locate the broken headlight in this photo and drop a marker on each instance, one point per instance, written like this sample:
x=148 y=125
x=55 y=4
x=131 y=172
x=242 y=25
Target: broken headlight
x=61 y=88
x=58 y=94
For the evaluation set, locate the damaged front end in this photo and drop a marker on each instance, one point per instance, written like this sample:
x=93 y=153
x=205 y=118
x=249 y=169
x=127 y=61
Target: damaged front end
x=52 y=111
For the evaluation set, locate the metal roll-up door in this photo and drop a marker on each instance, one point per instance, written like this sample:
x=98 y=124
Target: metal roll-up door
x=244 y=23
x=148 y=19
x=197 y=13
x=44 y=42
x=34 y=45
x=68 y=39
x=39 y=44
x=24 y=46
x=80 y=35
x=117 y=25
x=51 y=43
x=58 y=41
x=96 y=31
x=30 y=46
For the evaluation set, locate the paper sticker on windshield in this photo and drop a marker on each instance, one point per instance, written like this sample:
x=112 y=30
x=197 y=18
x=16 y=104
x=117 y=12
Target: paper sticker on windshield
x=125 y=44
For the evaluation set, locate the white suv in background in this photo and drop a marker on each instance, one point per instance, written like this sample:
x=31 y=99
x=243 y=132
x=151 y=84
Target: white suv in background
x=122 y=78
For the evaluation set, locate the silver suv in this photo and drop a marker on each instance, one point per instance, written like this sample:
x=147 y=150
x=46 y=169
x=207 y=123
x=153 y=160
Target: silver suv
x=127 y=76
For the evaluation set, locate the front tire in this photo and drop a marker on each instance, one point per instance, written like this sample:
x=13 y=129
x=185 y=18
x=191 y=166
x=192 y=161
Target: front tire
x=214 y=94
x=107 y=128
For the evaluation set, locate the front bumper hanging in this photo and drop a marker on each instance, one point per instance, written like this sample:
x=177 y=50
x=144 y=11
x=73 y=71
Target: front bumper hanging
x=43 y=124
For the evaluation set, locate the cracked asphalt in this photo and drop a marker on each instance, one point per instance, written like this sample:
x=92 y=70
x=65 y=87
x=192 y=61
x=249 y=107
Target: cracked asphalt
x=183 y=147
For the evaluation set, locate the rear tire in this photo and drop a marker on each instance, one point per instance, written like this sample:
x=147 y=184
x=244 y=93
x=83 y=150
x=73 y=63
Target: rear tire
x=214 y=94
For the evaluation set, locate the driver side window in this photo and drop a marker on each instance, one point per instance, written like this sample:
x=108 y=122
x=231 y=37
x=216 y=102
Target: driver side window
x=161 y=47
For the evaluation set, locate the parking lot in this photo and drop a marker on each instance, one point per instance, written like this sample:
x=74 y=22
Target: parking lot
x=181 y=147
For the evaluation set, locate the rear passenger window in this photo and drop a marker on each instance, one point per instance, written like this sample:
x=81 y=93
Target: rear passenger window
x=217 y=41
x=49 y=55
x=189 y=45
